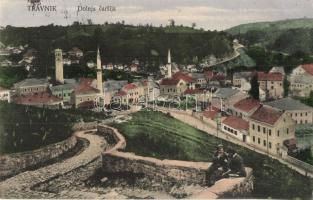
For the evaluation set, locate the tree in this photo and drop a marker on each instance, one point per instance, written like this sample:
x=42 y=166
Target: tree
x=286 y=87
x=254 y=91
x=193 y=25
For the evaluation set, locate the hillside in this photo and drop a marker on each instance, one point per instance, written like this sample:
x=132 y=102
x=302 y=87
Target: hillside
x=288 y=36
x=272 y=26
x=121 y=43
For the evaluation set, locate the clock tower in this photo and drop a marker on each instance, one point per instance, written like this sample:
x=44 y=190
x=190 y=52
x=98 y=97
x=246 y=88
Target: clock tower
x=59 y=66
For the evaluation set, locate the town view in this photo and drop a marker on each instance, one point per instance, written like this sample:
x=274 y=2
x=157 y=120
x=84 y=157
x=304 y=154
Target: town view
x=102 y=109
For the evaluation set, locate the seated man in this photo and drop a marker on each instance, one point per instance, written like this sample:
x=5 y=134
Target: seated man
x=218 y=167
x=236 y=165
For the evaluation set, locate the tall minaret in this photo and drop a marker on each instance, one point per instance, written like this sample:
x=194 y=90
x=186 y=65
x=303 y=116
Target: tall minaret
x=169 y=64
x=59 y=66
x=99 y=73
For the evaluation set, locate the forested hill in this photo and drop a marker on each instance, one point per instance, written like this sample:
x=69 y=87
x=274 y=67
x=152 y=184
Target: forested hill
x=121 y=43
x=287 y=36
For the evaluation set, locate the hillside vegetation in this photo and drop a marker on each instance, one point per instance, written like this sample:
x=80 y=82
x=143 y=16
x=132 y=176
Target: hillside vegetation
x=121 y=43
x=287 y=36
x=156 y=134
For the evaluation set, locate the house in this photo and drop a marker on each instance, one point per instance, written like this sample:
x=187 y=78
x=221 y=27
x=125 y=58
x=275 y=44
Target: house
x=84 y=95
x=236 y=127
x=245 y=108
x=91 y=64
x=111 y=87
x=176 y=84
x=133 y=68
x=224 y=98
x=67 y=61
x=30 y=54
x=31 y=86
x=109 y=66
x=63 y=92
x=272 y=84
x=240 y=78
x=269 y=129
x=130 y=93
x=75 y=52
x=199 y=79
x=41 y=99
x=280 y=70
x=5 y=94
x=301 y=80
x=151 y=89
x=299 y=112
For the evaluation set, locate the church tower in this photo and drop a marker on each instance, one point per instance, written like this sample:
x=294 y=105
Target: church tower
x=169 y=64
x=99 y=73
x=59 y=66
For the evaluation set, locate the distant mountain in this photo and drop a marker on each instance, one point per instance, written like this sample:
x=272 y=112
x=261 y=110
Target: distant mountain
x=274 y=26
x=287 y=36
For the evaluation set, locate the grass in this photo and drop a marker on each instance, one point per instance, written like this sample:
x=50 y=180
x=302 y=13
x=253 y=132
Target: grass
x=155 y=134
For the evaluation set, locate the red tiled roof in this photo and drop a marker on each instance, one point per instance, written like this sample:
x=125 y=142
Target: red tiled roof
x=270 y=76
x=180 y=75
x=308 y=68
x=210 y=112
x=266 y=115
x=169 y=81
x=129 y=86
x=85 y=86
x=37 y=98
x=247 y=105
x=193 y=91
x=236 y=123
x=209 y=74
x=120 y=93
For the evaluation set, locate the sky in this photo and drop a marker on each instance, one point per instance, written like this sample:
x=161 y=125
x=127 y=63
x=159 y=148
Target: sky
x=207 y=14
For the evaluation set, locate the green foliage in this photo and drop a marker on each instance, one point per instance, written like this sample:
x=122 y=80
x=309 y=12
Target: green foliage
x=305 y=155
x=254 y=91
x=309 y=100
x=11 y=75
x=159 y=135
x=120 y=43
x=24 y=128
x=287 y=36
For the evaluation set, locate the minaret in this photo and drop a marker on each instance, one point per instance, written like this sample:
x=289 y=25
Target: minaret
x=99 y=73
x=169 y=64
x=59 y=66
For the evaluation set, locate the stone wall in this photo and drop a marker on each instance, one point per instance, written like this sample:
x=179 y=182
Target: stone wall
x=84 y=126
x=170 y=171
x=11 y=164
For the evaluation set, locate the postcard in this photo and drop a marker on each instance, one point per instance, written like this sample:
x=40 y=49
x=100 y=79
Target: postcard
x=168 y=99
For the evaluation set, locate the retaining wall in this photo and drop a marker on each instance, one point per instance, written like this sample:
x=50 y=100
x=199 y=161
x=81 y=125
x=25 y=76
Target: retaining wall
x=11 y=164
x=170 y=171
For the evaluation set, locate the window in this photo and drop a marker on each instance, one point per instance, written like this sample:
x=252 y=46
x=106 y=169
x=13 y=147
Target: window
x=278 y=133
x=306 y=114
x=270 y=145
x=288 y=128
x=264 y=130
x=296 y=114
x=259 y=128
x=301 y=114
x=259 y=140
x=253 y=138
x=269 y=132
x=253 y=127
x=225 y=128
x=264 y=143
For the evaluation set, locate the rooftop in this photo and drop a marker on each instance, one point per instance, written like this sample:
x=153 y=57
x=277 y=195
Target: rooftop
x=270 y=76
x=266 y=115
x=169 y=81
x=245 y=75
x=247 y=105
x=32 y=82
x=182 y=76
x=84 y=87
x=308 y=68
x=236 y=123
x=225 y=92
x=288 y=104
x=211 y=112
x=38 y=98
x=62 y=87
x=130 y=86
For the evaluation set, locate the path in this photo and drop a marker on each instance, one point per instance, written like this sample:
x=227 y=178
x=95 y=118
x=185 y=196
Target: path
x=20 y=185
x=195 y=122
